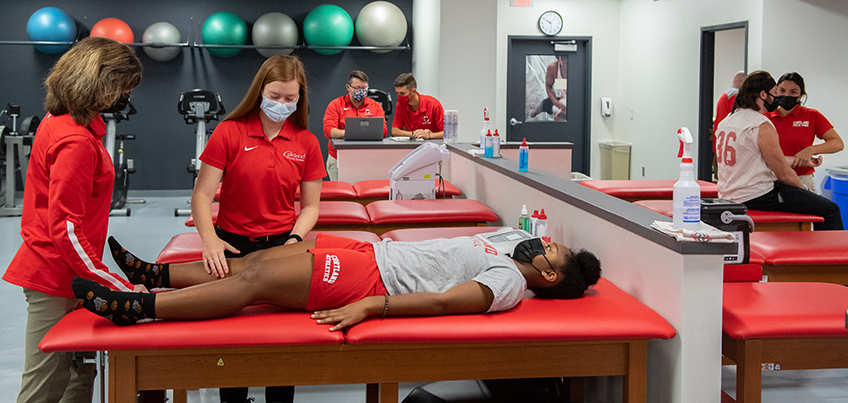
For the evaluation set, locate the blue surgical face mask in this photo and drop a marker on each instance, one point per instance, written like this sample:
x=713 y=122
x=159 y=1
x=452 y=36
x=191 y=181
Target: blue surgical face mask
x=277 y=111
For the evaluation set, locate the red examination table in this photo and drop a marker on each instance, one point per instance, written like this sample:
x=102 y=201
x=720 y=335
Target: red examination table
x=764 y=221
x=633 y=190
x=803 y=256
x=330 y=190
x=373 y=190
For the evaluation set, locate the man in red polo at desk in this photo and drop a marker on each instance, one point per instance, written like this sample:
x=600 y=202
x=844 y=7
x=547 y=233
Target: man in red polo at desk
x=351 y=105
x=416 y=115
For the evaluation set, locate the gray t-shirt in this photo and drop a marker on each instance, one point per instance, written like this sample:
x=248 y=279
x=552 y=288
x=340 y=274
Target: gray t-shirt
x=437 y=265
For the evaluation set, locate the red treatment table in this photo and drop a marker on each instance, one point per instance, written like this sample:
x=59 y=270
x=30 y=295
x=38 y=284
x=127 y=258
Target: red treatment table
x=330 y=190
x=388 y=215
x=633 y=190
x=764 y=221
x=332 y=216
x=373 y=190
x=803 y=256
x=605 y=333
x=423 y=234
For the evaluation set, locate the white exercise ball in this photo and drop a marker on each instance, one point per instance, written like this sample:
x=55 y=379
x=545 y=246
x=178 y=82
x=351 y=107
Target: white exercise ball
x=162 y=32
x=274 y=29
x=380 y=23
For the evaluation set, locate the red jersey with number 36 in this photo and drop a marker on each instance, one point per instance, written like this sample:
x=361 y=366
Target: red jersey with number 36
x=742 y=172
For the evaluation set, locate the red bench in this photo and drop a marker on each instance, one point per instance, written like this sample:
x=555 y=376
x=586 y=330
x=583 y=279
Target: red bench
x=332 y=216
x=373 y=190
x=633 y=190
x=423 y=234
x=820 y=256
x=388 y=215
x=764 y=221
x=605 y=333
x=330 y=190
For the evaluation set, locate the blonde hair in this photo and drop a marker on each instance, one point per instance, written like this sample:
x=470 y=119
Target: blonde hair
x=90 y=77
x=276 y=68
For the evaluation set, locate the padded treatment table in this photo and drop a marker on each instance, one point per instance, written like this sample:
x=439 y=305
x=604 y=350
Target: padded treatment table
x=373 y=190
x=803 y=256
x=604 y=333
x=782 y=326
x=633 y=190
x=188 y=247
x=335 y=190
x=764 y=221
x=332 y=216
x=423 y=234
x=388 y=215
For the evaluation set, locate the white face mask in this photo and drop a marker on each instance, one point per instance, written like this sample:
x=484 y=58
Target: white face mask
x=277 y=111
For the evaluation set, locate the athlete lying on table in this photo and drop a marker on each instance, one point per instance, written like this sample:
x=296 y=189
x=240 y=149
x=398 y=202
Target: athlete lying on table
x=343 y=281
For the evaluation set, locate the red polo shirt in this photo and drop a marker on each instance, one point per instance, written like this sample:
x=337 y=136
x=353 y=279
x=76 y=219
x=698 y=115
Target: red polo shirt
x=798 y=130
x=261 y=175
x=430 y=115
x=723 y=108
x=67 y=199
x=341 y=108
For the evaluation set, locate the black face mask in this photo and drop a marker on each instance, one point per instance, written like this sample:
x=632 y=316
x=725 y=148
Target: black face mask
x=525 y=251
x=770 y=107
x=787 y=102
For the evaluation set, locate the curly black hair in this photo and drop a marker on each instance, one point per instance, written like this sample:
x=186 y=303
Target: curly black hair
x=581 y=270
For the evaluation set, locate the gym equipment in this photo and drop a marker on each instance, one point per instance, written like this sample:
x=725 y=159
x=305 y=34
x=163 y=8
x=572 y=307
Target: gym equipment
x=384 y=98
x=328 y=25
x=18 y=147
x=380 y=23
x=51 y=24
x=274 y=29
x=198 y=107
x=224 y=28
x=161 y=33
x=113 y=28
x=123 y=167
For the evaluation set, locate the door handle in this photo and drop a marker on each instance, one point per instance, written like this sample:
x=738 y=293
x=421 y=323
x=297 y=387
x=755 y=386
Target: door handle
x=515 y=122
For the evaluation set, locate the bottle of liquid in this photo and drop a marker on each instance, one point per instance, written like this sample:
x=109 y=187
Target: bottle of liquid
x=496 y=145
x=451 y=127
x=542 y=225
x=524 y=219
x=686 y=196
x=486 y=128
x=533 y=219
x=523 y=156
x=488 y=141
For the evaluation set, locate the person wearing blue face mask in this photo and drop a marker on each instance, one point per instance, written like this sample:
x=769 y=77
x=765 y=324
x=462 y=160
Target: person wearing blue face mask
x=351 y=105
x=263 y=152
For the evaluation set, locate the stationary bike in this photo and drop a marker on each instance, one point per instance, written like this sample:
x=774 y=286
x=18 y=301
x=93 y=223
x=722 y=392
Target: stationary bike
x=119 y=111
x=198 y=107
x=15 y=148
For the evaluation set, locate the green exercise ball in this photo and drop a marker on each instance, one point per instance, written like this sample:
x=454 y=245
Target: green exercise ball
x=274 y=29
x=224 y=28
x=328 y=25
x=380 y=23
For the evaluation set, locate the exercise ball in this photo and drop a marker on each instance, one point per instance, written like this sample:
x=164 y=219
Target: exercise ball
x=113 y=28
x=274 y=29
x=224 y=28
x=53 y=25
x=380 y=23
x=328 y=25
x=161 y=32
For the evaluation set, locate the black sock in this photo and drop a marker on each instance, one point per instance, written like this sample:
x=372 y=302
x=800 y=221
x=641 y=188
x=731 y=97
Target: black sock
x=122 y=308
x=150 y=275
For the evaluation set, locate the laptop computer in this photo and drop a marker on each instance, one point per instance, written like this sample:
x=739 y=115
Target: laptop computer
x=363 y=129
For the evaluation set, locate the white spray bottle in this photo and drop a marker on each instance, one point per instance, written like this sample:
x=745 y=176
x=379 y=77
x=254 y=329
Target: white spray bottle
x=687 y=192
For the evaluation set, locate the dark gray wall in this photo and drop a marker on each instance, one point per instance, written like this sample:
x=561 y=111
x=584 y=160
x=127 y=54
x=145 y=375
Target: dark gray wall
x=165 y=143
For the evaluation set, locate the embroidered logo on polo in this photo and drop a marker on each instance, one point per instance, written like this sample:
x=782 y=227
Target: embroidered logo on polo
x=248 y=149
x=425 y=120
x=331 y=269
x=294 y=156
x=801 y=123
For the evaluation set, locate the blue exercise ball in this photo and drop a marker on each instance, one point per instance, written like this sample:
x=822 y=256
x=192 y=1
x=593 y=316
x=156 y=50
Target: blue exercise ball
x=161 y=32
x=380 y=23
x=274 y=29
x=328 y=25
x=51 y=24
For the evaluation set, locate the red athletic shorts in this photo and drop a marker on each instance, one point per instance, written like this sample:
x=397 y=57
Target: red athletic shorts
x=345 y=271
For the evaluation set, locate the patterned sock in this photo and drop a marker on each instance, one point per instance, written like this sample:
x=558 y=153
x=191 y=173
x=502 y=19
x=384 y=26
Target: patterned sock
x=122 y=308
x=151 y=275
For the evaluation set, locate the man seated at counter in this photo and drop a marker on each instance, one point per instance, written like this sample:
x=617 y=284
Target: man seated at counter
x=351 y=105
x=343 y=281
x=416 y=115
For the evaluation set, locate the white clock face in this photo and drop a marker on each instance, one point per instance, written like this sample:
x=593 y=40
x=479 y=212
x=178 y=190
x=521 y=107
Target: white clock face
x=550 y=23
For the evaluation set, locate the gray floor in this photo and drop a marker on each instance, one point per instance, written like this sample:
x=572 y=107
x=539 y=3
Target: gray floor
x=150 y=227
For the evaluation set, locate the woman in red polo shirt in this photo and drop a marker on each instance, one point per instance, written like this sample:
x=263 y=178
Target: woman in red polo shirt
x=263 y=152
x=799 y=126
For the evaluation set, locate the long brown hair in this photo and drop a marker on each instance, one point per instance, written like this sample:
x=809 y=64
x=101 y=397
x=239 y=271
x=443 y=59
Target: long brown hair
x=749 y=92
x=90 y=77
x=276 y=68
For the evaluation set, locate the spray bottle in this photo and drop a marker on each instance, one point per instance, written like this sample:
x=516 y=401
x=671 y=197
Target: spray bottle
x=524 y=219
x=496 y=145
x=486 y=128
x=687 y=192
x=523 y=156
x=487 y=151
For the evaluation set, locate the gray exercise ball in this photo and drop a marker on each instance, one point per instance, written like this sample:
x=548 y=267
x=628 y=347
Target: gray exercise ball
x=380 y=23
x=274 y=29
x=162 y=32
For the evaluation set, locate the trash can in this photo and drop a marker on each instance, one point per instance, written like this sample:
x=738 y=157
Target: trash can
x=615 y=160
x=837 y=183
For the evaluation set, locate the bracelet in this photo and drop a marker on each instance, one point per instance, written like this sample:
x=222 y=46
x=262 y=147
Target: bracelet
x=385 y=306
x=295 y=236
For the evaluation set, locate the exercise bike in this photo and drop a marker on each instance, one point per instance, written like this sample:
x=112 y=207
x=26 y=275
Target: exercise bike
x=15 y=148
x=119 y=111
x=198 y=107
